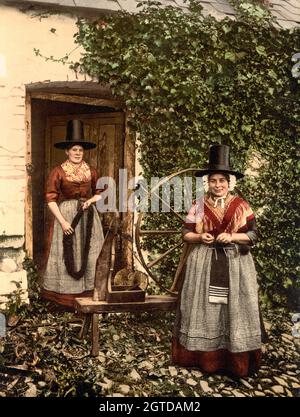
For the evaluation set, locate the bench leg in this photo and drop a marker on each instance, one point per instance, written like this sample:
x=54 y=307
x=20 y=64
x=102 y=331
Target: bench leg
x=95 y=334
x=85 y=326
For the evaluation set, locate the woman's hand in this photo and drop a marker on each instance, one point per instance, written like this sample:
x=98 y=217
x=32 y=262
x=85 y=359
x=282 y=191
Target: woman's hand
x=86 y=204
x=66 y=227
x=206 y=238
x=224 y=238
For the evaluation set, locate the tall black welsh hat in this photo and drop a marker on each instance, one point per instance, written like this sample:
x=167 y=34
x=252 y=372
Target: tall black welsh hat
x=219 y=162
x=75 y=136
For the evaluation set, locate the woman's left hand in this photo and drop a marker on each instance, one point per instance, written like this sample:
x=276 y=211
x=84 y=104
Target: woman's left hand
x=86 y=204
x=224 y=238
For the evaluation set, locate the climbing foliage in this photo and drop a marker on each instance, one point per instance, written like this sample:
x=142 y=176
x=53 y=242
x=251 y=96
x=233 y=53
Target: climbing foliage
x=188 y=80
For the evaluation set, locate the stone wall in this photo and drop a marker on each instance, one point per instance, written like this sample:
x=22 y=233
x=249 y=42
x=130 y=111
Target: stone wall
x=20 y=33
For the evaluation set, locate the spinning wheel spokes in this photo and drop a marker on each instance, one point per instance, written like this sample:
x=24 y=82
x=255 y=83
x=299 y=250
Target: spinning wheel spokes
x=151 y=264
x=165 y=245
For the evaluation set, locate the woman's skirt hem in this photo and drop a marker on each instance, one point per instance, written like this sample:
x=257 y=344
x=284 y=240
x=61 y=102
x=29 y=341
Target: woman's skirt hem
x=239 y=364
x=63 y=302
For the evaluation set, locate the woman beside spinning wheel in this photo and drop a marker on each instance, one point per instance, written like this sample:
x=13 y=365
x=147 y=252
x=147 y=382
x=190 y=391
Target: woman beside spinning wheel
x=218 y=325
x=76 y=235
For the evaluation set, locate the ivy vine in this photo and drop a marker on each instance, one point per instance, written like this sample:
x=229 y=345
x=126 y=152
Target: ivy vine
x=189 y=80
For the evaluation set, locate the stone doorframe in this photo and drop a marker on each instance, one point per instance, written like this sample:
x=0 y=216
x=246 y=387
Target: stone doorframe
x=86 y=93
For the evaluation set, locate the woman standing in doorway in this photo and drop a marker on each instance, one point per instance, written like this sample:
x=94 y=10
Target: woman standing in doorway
x=72 y=250
x=218 y=324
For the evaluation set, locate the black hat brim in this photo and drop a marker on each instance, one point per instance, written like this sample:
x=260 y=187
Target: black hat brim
x=202 y=172
x=68 y=144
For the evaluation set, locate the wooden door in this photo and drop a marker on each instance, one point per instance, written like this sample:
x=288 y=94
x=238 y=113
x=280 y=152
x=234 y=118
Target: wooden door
x=104 y=129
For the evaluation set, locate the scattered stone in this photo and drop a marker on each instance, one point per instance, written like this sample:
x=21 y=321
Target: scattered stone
x=173 y=371
x=237 y=393
x=198 y=374
x=267 y=391
x=217 y=395
x=289 y=394
x=135 y=375
x=292 y=378
x=125 y=389
x=227 y=378
x=295 y=385
x=117 y=394
x=191 y=382
x=184 y=372
x=205 y=387
x=266 y=381
x=42 y=384
x=259 y=394
x=287 y=336
x=228 y=393
x=146 y=365
x=268 y=325
x=31 y=391
x=107 y=384
x=116 y=337
x=246 y=383
x=101 y=357
x=278 y=389
x=291 y=373
x=291 y=366
x=259 y=387
x=280 y=381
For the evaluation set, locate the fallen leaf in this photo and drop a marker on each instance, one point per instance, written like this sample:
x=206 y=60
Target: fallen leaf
x=135 y=375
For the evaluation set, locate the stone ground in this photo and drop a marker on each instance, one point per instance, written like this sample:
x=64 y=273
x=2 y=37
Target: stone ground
x=42 y=356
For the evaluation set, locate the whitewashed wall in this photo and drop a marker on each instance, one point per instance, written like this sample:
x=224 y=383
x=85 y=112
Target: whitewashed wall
x=20 y=33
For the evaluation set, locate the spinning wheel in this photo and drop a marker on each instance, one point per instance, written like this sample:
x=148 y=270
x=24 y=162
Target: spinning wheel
x=166 y=258
x=105 y=300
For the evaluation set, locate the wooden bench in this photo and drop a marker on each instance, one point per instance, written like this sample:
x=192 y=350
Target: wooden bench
x=92 y=309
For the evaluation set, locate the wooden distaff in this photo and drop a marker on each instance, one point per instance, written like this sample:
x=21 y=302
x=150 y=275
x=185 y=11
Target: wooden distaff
x=104 y=261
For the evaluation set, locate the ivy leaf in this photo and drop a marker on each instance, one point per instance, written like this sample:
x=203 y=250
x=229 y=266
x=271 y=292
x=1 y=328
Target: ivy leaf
x=230 y=56
x=261 y=50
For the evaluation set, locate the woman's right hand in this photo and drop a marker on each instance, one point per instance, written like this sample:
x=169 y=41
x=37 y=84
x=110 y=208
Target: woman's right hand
x=66 y=227
x=206 y=238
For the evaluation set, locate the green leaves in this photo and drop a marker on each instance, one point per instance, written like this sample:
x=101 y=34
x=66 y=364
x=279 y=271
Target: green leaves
x=190 y=80
x=230 y=56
